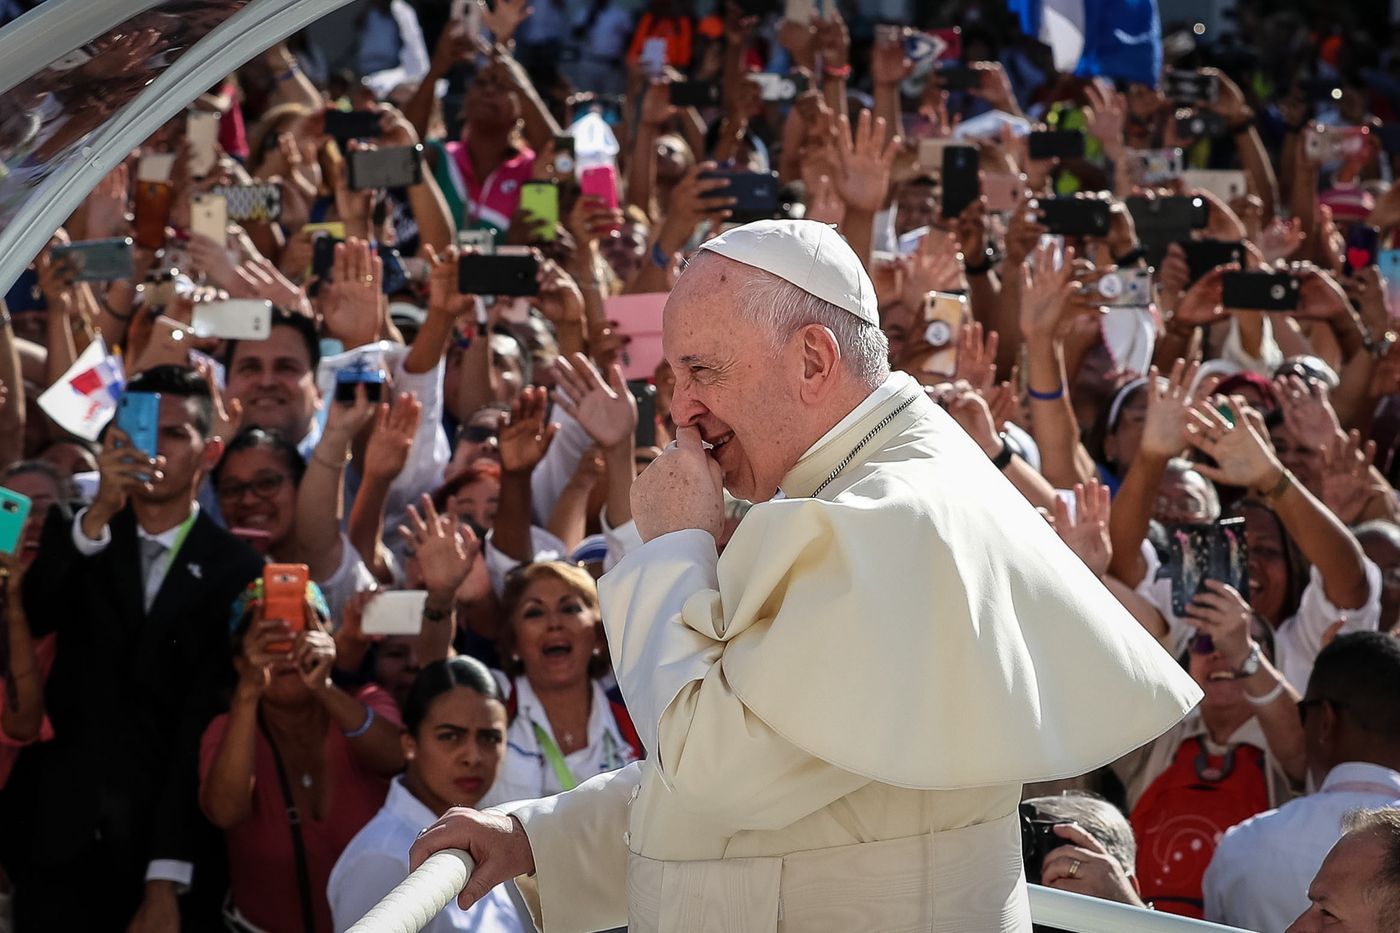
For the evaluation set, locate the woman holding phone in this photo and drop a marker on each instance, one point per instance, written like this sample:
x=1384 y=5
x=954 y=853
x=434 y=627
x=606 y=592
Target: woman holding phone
x=454 y=740
x=294 y=769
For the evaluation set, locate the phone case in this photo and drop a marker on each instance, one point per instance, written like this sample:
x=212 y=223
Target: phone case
x=153 y=201
x=1362 y=247
x=138 y=416
x=235 y=319
x=99 y=260
x=1174 y=217
x=14 y=512
x=1388 y=260
x=155 y=167
x=944 y=314
x=1225 y=184
x=209 y=217
x=645 y=395
x=653 y=57
x=497 y=275
x=961 y=181
x=396 y=612
x=1154 y=166
x=1055 y=144
x=1075 y=216
x=202 y=133
x=258 y=204
x=539 y=200
x=392 y=167
x=600 y=181
x=284 y=597
x=755 y=194
x=483 y=241
x=1259 y=291
x=1197 y=553
x=638 y=319
x=1002 y=189
x=1204 y=255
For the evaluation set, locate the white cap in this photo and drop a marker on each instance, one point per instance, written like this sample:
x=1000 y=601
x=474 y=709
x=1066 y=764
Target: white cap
x=810 y=255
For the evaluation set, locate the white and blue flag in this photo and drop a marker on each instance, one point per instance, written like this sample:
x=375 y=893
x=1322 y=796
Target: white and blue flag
x=1093 y=38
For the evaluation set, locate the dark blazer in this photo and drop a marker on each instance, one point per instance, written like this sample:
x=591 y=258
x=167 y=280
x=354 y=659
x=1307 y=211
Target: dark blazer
x=130 y=692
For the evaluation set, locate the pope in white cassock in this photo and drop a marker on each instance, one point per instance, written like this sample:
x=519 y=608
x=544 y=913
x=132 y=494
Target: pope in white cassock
x=839 y=713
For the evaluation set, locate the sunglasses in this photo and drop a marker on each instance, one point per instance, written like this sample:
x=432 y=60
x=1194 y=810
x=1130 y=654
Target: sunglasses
x=476 y=434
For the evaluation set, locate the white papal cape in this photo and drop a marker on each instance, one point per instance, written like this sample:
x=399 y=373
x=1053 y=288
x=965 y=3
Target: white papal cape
x=839 y=713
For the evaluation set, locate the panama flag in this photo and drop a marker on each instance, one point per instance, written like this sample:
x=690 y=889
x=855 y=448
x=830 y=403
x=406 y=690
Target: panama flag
x=85 y=398
x=1092 y=38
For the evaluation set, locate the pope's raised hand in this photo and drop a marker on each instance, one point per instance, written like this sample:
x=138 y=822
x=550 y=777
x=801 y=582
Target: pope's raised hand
x=681 y=489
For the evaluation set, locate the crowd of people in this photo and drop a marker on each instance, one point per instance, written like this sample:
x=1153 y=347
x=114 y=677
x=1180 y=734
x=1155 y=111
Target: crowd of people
x=1071 y=265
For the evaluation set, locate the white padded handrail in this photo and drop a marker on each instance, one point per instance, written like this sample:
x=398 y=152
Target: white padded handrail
x=419 y=897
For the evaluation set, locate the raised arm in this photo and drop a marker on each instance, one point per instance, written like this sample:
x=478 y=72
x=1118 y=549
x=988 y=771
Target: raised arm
x=386 y=453
x=524 y=439
x=321 y=495
x=863 y=180
x=446 y=550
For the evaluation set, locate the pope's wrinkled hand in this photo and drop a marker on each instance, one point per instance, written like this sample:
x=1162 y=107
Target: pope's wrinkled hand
x=681 y=489
x=496 y=842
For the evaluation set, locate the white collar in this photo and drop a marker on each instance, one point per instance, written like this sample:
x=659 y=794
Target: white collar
x=887 y=390
x=168 y=536
x=401 y=802
x=600 y=718
x=1362 y=776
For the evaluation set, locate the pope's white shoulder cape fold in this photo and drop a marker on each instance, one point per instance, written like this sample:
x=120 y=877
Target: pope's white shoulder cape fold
x=923 y=626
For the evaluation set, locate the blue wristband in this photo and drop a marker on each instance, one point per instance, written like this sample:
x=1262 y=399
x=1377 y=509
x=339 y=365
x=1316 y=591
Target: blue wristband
x=1054 y=396
x=364 y=726
x=659 y=257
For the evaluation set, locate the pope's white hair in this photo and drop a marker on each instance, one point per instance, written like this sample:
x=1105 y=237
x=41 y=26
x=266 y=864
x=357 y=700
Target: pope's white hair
x=783 y=309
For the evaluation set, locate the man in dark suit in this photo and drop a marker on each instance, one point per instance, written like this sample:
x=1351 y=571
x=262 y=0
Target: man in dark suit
x=138 y=587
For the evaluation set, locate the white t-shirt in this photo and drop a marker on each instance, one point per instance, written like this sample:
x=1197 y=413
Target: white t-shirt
x=350 y=577
x=376 y=860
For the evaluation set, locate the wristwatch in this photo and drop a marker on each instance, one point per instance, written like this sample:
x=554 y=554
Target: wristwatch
x=1009 y=449
x=1250 y=665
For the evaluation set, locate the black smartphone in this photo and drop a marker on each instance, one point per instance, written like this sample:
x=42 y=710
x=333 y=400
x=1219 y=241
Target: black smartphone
x=1056 y=144
x=323 y=255
x=959 y=78
x=345 y=125
x=695 y=94
x=1201 y=124
x=393 y=167
x=98 y=260
x=509 y=274
x=1363 y=247
x=1260 y=291
x=961 y=179
x=395 y=278
x=1038 y=839
x=564 y=154
x=755 y=194
x=1176 y=216
x=1187 y=88
x=1197 y=553
x=1204 y=255
x=645 y=394
x=1075 y=216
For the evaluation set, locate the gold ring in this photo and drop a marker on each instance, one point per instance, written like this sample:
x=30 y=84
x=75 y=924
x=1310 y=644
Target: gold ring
x=1074 y=868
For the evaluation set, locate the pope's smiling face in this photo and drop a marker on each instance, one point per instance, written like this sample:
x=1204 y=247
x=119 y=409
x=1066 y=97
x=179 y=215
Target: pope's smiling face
x=731 y=383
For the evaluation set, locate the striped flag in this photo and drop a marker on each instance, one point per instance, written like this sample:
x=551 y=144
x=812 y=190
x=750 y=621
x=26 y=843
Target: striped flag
x=1092 y=38
x=85 y=398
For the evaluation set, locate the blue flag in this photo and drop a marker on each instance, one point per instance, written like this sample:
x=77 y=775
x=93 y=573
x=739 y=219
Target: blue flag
x=1093 y=38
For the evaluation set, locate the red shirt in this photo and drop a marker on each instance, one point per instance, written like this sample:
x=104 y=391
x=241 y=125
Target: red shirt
x=262 y=863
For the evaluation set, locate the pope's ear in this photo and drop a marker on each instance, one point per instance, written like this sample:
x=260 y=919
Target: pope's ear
x=820 y=358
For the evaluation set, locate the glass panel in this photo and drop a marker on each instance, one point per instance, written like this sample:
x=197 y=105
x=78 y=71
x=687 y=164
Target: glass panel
x=46 y=120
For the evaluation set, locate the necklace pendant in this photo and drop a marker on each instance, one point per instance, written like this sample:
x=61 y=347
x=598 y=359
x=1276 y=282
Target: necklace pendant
x=306 y=781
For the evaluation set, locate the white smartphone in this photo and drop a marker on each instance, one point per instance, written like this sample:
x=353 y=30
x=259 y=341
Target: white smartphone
x=209 y=217
x=483 y=241
x=234 y=319
x=202 y=132
x=653 y=57
x=394 y=612
x=155 y=168
x=1225 y=184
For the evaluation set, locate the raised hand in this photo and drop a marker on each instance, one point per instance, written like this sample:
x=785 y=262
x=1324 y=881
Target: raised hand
x=681 y=489
x=936 y=266
x=445 y=549
x=524 y=436
x=505 y=17
x=606 y=410
x=1202 y=302
x=354 y=300
x=1106 y=116
x=888 y=63
x=1280 y=239
x=1243 y=457
x=972 y=413
x=559 y=299
x=1045 y=292
x=387 y=450
x=864 y=178
x=1307 y=412
x=1222 y=613
x=825 y=204
x=1169 y=404
x=1347 y=484
x=1086 y=532
x=977 y=357
x=228 y=413
x=443 y=296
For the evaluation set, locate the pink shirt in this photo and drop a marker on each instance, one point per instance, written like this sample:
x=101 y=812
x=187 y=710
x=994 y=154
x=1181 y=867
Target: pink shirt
x=262 y=863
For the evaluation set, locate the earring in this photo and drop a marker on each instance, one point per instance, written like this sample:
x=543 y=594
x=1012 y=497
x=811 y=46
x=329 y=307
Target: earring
x=515 y=659
x=597 y=652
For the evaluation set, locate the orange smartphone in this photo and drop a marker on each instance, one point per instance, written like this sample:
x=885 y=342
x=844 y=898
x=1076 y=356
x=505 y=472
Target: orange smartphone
x=154 y=200
x=284 y=597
